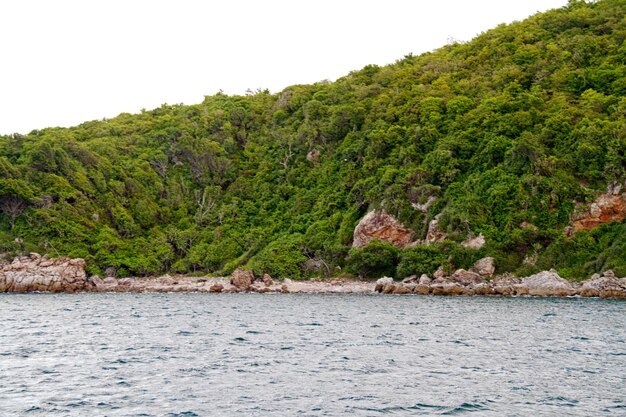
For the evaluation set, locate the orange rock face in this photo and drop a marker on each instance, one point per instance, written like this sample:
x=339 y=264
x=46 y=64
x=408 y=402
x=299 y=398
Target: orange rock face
x=382 y=226
x=605 y=209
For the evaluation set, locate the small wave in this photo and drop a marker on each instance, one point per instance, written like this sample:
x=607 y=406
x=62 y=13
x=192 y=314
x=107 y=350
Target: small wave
x=560 y=401
x=183 y=414
x=465 y=408
x=184 y=333
x=33 y=409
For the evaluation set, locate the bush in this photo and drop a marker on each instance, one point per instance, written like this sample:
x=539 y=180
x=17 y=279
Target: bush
x=373 y=260
x=282 y=258
x=420 y=260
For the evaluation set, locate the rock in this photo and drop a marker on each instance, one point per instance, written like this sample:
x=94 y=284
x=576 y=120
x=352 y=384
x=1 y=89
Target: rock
x=485 y=267
x=284 y=288
x=110 y=281
x=316 y=266
x=389 y=288
x=448 y=288
x=423 y=289
x=37 y=273
x=546 y=284
x=434 y=234
x=483 y=289
x=466 y=277
x=425 y=280
x=111 y=271
x=382 y=226
x=96 y=281
x=313 y=156
x=411 y=278
x=242 y=279
x=381 y=283
x=606 y=208
x=474 y=242
x=439 y=273
x=216 y=288
x=267 y=280
x=401 y=289
x=603 y=286
x=609 y=273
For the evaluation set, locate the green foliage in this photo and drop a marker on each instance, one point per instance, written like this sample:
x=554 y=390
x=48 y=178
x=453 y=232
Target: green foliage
x=512 y=128
x=420 y=260
x=373 y=260
x=282 y=258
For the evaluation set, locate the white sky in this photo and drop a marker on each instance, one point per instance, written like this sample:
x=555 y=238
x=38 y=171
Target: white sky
x=64 y=62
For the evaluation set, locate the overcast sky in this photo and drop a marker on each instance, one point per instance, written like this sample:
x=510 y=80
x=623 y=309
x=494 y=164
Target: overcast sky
x=64 y=62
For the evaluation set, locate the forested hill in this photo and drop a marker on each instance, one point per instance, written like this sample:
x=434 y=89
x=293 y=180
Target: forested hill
x=506 y=135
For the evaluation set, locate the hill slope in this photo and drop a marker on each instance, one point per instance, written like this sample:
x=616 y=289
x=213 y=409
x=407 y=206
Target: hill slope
x=508 y=136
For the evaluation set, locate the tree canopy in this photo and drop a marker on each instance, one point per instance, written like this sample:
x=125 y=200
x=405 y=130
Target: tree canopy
x=511 y=129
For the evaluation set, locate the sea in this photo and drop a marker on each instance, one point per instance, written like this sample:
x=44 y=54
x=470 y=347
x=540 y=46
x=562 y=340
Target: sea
x=190 y=354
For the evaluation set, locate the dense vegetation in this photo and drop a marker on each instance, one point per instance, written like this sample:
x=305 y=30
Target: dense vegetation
x=506 y=131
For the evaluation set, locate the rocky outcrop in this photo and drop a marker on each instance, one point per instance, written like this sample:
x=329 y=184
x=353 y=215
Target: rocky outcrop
x=382 y=226
x=38 y=273
x=434 y=234
x=545 y=284
x=606 y=285
x=605 y=209
x=242 y=279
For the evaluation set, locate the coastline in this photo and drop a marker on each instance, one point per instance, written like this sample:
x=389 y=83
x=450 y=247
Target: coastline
x=37 y=273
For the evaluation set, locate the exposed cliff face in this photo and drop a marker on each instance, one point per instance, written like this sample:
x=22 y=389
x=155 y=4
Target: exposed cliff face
x=382 y=226
x=38 y=273
x=607 y=208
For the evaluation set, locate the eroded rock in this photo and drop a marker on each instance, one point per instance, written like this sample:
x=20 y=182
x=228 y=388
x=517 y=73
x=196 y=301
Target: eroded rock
x=242 y=279
x=546 y=284
x=382 y=226
x=37 y=273
x=466 y=277
x=603 y=286
x=485 y=267
x=605 y=209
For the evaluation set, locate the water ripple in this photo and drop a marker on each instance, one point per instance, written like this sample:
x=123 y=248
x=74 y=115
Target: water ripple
x=311 y=355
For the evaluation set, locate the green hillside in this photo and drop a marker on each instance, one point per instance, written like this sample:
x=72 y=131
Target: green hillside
x=506 y=133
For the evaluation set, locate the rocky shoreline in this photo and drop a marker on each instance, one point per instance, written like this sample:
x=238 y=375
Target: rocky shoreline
x=37 y=273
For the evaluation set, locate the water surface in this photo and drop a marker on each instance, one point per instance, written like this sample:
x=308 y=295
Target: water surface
x=309 y=355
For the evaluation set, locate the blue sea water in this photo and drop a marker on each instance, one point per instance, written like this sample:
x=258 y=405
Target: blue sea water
x=310 y=355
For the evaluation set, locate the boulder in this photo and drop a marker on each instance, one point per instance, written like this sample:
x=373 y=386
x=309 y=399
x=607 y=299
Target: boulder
x=267 y=280
x=546 y=284
x=216 y=288
x=37 y=273
x=382 y=283
x=483 y=288
x=485 y=267
x=603 y=286
x=422 y=289
x=448 y=288
x=466 y=277
x=402 y=289
x=242 y=278
x=382 y=226
x=424 y=280
x=439 y=273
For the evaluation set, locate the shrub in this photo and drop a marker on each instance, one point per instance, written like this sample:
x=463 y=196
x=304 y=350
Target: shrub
x=373 y=260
